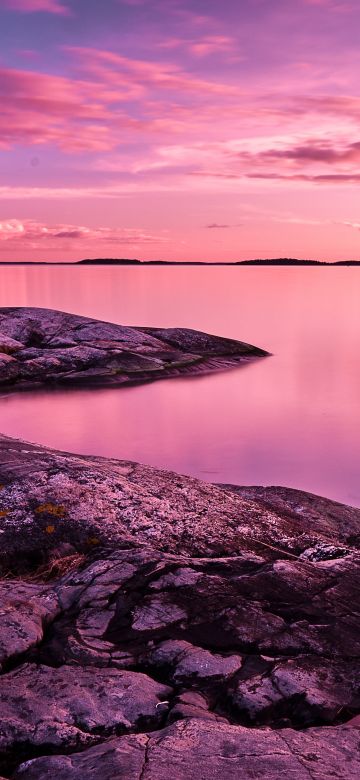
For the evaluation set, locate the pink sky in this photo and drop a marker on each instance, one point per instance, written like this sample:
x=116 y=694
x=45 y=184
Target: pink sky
x=179 y=130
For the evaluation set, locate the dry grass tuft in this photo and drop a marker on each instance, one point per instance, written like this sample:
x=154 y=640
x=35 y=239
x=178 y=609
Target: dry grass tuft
x=51 y=570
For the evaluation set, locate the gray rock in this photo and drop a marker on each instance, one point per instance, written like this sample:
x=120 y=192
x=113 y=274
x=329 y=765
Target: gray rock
x=114 y=760
x=25 y=609
x=260 y=648
x=43 y=346
x=323 y=552
x=191 y=664
x=70 y=707
x=307 y=512
x=306 y=690
x=157 y=612
x=246 y=612
x=8 y=346
x=211 y=656
x=51 y=498
x=203 y=749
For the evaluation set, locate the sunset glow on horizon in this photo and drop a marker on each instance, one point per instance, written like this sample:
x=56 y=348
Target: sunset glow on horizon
x=179 y=129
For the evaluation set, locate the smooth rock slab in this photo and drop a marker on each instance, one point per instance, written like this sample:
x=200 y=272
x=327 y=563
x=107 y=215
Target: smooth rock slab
x=192 y=665
x=47 y=347
x=203 y=750
x=69 y=706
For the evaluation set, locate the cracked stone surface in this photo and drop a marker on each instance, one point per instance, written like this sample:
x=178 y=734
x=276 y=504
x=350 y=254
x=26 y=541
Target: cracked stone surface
x=205 y=635
x=234 y=644
x=200 y=750
x=47 y=347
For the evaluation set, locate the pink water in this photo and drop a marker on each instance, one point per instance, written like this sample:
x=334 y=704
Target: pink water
x=291 y=419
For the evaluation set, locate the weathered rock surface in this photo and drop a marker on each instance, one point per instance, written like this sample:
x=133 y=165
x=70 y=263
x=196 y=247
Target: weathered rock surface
x=47 y=347
x=24 y=612
x=199 y=750
x=49 y=499
x=308 y=511
x=70 y=707
x=141 y=639
x=200 y=632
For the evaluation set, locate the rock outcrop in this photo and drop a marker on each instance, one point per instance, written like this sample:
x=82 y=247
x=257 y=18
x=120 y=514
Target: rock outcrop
x=45 y=347
x=154 y=626
x=49 y=499
x=234 y=662
x=202 y=750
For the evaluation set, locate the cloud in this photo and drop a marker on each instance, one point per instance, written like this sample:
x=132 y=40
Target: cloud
x=202 y=46
x=129 y=114
x=329 y=178
x=35 y=6
x=310 y=160
x=110 y=98
x=220 y=226
x=217 y=226
x=28 y=234
x=315 y=151
x=332 y=5
x=354 y=225
x=113 y=68
x=75 y=115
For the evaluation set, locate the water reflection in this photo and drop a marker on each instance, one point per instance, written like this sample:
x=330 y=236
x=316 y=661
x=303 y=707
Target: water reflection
x=291 y=419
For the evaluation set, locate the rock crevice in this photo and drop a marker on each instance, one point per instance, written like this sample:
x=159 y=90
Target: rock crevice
x=159 y=649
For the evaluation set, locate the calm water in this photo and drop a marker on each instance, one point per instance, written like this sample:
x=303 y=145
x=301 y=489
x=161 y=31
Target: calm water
x=291 y=419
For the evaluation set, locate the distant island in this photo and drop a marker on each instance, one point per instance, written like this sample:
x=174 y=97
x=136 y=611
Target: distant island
x=277 y=261
x=263 y=261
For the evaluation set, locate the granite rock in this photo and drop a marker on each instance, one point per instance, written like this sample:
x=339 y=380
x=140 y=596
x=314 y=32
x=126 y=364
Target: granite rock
x=155 y=626
x=70 y=707
x=47 y=347
x=200 y=750
x=49 y=499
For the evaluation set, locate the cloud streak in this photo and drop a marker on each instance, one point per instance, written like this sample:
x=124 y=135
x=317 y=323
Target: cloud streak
x=176 y=108
x=36 y=6
x=29 y=234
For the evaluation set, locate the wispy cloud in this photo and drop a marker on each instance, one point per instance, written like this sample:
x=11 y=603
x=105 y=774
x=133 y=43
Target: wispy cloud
x=325 y=178
x=30 y=234
x=221 y=226
x=354 y=225
x=202 y=46
x=35 y=6
x=112 y=68
x=217 y=226
x=39 y=108
x=111 y=96
x=333 y=5
x=315 y=152
x=175 y=107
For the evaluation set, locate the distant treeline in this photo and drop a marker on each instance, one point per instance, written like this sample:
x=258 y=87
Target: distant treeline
x=127 y=261
x=272 y=261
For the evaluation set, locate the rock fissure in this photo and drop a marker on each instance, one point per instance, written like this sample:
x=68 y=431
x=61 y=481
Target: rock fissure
x=298 y=757
x=208 y=652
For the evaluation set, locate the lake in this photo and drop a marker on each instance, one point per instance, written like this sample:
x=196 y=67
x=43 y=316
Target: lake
x=290 y=419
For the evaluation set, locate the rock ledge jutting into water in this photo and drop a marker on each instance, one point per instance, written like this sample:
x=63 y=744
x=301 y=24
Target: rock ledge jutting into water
x=43 y=346
x=155 y=626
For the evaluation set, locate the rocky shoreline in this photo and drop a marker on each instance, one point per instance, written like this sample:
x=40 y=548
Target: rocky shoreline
x=155 y=626
x=46 y=347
